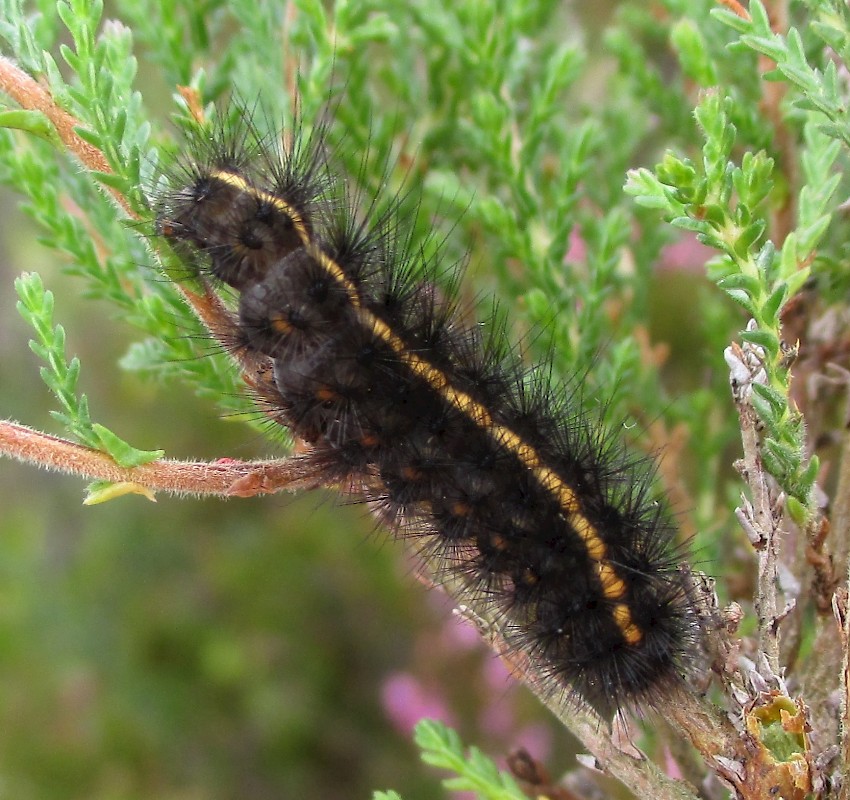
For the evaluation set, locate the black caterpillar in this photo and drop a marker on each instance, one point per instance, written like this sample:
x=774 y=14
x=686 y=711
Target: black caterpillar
x=435 y=420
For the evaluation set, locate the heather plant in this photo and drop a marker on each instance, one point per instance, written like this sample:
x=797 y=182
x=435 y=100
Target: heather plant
x=653 y=191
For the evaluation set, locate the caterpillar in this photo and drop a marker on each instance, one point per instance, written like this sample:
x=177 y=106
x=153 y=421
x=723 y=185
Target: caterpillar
x=491 y=468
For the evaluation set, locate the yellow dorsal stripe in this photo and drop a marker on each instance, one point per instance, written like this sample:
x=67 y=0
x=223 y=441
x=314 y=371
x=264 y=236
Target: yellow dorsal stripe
x=294 y=215
x=613 y=587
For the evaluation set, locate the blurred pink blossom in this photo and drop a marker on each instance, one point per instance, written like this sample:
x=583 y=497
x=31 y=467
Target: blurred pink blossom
x=460 y=635
x=577 y=249
x=536 y=738
x=686 y=255
x=406 y=701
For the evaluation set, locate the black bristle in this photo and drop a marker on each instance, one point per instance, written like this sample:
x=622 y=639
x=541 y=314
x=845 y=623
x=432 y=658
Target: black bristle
x=526 y=499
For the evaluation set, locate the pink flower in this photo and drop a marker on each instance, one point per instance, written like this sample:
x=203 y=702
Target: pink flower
x=406 y=701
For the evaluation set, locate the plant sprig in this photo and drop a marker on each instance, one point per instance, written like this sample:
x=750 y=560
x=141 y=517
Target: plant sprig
x=61 y=376
x=723 y=203
x=819 y=89
x=441 y=747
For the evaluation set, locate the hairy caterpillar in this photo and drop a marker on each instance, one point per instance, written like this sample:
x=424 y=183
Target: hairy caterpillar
x=497 y=117
x=489 y=467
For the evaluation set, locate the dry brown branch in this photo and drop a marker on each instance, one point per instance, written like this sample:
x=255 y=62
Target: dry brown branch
x=761 y=516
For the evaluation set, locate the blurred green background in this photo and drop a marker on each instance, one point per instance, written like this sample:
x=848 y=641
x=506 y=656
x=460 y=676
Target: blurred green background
x=275 y=647
x=267 y=648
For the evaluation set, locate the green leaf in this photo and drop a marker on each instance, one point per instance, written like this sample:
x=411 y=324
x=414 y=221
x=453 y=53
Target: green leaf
x=442 y=747
x=773 y=306
x=775 y=400
x=33 y=122
x=764 y=338
x=100 y=492
x=746 y=283
x=693 y=52
x=798 y=511
x=123 y=454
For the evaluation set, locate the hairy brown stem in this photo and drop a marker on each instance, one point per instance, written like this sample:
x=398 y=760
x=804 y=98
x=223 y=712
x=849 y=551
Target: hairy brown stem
x=223 y=478
x=30 y=94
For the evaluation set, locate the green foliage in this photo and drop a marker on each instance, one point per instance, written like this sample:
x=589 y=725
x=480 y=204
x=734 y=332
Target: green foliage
x=727 y=205
x=36 y=307
x=819 y=90
x=722 y=203
x=508 y=145
x=441 y=747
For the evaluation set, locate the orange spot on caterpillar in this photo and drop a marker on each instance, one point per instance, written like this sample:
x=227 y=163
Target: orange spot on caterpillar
x=556 y=538
x=280 y=325
x=461 y=509
x=324 y=394
x=411 y=473
x=623 y=617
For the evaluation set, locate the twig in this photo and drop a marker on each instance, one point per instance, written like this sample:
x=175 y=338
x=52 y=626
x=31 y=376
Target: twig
x=735 y=7
x=841 y=531
x=840 y=609
x=223 y=478
x=760 y=517
x=29 y=94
